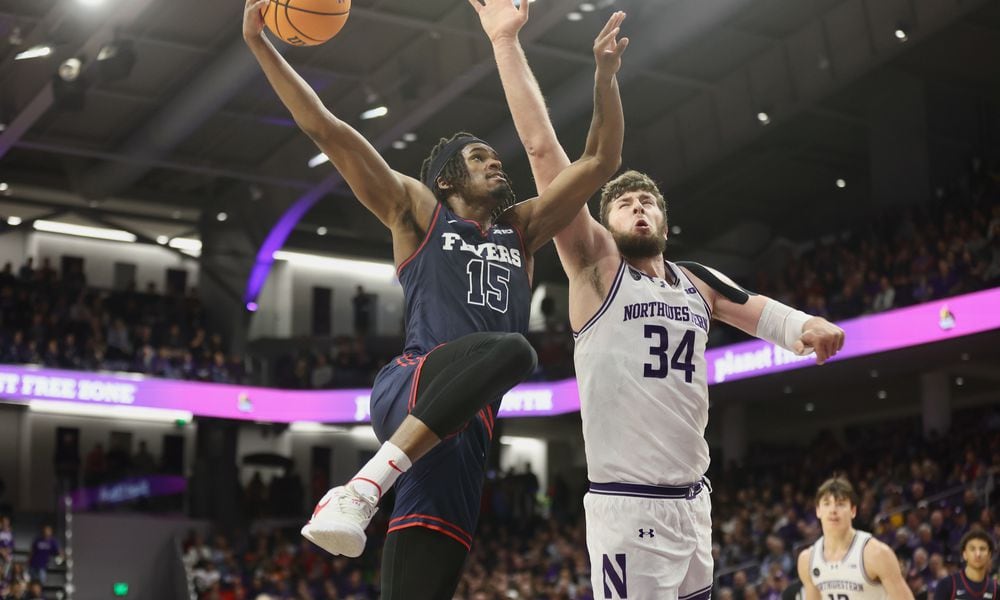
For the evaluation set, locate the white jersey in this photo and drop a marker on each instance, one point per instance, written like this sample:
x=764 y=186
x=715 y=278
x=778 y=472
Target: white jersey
x=640 y=366
x=845 y=579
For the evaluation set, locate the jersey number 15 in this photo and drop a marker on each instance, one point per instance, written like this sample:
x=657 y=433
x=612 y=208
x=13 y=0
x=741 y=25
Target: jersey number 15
x=681 y=359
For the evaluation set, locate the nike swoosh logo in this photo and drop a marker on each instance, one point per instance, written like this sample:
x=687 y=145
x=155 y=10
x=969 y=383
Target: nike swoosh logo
x=452 y=221
x=320 y=507
x=393 y=465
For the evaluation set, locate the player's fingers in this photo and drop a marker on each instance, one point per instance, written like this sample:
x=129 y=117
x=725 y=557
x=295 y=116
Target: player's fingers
x=798 y=347
x=523 y=8
x=622 y=44
x=612 y=22
x=476 y=4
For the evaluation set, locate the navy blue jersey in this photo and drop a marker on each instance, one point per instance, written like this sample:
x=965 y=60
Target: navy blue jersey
x=463 y=280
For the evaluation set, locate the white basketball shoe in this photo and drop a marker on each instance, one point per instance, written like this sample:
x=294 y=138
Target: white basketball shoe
x=339 y=521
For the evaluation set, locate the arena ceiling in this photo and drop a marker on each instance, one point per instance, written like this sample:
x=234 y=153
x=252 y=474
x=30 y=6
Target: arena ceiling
x=195 y=124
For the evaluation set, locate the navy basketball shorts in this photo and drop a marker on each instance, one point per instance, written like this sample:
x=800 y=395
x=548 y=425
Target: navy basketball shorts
x=441 y=491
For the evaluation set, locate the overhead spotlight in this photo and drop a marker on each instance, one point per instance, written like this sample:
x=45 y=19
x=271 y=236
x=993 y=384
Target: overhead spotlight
x=91 y=2
x=317 y=160
x=959 y=381
x=399 y=145
x=34 y=52
x=810 y=407
x=587 y=7
x=882 y=395
x=4 y=186
x=221 y=217
x=409 y=138
x=321 y=231
x=13 y=221
x=162 y=240
x=69 y=70
x=67 y=85
x=375 y=113
x=901 y=35
x=788 y=389
x=841 y=183
x=574 y=16
x=2 y=127
x=676 y=230
x=873 y=373
x=965 y=356
x=252 y=306
x=763 y=118
x=116 y=59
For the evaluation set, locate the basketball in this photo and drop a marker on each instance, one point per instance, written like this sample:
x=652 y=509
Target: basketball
x=306 y=22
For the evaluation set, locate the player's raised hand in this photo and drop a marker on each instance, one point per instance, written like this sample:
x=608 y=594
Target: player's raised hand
x=500 y=18
x=253 y=19
x=608 y=48
x=825 y=339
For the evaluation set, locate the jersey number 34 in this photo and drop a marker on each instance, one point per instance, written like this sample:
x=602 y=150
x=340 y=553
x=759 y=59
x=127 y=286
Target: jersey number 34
x=681 y=359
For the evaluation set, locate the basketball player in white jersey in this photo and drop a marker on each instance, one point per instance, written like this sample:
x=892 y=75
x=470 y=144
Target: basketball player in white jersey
x=641 y=325
x=847 y=564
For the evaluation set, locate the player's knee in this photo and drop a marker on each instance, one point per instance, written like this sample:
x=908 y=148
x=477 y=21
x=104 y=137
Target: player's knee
x=518 y=354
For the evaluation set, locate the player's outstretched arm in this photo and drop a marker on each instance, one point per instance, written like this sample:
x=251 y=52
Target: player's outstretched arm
x=881 y=564
x=502 y=21
x=809 y=591
x=765 y=318
x=383 y=191
x=544 y=216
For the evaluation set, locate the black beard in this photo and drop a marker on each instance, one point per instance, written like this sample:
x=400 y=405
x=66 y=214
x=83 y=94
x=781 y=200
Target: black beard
x=502 y=196
x=639 y=246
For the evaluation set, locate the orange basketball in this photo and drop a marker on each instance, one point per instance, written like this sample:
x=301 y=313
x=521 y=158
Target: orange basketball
x=306 y=22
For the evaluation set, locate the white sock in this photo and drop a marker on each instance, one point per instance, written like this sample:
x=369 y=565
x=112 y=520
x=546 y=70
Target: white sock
x=376 y=477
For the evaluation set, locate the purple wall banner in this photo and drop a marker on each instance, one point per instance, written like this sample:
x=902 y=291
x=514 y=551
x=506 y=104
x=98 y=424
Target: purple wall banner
x=922 y=324
x=912 y=326
x=128 y=490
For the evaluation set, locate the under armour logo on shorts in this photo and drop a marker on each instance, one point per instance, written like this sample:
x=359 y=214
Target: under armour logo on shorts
x=642 y=533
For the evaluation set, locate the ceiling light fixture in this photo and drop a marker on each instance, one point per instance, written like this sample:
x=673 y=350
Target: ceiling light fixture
x=841 y=183
x=375 y=113
x=13 y=221
x=763 y=118
x=574 y=16
x=318 y=160
x=34 y=52
x=98 y=233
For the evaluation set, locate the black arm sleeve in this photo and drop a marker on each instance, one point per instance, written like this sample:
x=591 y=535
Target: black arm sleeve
x=736 y=295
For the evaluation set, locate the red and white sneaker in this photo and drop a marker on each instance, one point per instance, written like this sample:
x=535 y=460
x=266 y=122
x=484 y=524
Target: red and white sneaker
x=339 y=521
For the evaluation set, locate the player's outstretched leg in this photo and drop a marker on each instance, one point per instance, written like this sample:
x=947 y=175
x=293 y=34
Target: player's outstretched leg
x=456 y=381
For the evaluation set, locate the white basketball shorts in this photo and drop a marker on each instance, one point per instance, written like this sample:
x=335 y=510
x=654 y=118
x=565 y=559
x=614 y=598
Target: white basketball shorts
x=646 y=545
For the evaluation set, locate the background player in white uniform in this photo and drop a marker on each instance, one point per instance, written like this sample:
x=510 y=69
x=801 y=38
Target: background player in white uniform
x=642 y=326
x=847 y=564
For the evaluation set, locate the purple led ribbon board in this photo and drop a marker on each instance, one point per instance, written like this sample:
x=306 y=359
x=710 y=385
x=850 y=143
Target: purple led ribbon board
x=922 y=324
x=127 y=490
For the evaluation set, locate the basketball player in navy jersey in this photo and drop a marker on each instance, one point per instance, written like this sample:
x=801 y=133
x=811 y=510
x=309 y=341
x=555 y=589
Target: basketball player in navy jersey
x=464 y=256
x=974 y=582
x=641 y=326
x=845 y=563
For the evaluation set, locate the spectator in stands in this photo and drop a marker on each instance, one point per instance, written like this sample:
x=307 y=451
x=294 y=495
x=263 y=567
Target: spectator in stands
x=95 y=466
x=27 y=271
x=143 y=463
x=44 y=550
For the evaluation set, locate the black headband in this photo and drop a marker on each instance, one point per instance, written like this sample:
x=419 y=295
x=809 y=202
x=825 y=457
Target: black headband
x=450 y=149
